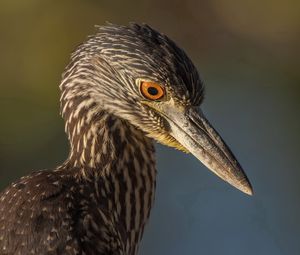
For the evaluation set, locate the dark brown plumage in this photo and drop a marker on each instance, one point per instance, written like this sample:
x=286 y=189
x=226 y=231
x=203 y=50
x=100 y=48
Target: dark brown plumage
x=81 y=209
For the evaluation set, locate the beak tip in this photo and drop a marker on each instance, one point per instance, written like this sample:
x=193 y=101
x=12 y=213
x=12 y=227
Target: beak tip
x=247 y=189
x=249 y=192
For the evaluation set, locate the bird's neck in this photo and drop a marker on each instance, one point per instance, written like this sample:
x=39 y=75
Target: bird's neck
x=120 y=156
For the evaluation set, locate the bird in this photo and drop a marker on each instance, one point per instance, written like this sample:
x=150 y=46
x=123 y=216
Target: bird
x=124 y=88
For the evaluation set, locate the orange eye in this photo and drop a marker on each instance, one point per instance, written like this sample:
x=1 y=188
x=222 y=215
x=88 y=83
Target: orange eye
x=151 y=90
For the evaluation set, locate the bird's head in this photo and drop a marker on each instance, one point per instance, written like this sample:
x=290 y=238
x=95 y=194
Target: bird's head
x=145 y=78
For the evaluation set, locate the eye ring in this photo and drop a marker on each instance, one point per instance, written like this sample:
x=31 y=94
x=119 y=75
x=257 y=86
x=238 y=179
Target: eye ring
x=151 y=90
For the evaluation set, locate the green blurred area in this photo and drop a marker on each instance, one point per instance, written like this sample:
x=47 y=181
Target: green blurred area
x=252 y=47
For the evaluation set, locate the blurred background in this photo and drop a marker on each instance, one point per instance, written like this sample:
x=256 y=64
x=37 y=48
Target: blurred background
x=248 y=55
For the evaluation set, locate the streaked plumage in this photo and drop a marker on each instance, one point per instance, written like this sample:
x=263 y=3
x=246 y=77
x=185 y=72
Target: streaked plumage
x=98 y=201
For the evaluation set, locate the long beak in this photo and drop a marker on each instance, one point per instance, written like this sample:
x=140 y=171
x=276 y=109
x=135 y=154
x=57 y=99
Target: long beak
x=195 y=133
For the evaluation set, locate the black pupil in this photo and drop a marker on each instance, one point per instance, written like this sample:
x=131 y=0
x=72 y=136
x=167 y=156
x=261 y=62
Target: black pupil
x=152 y=91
